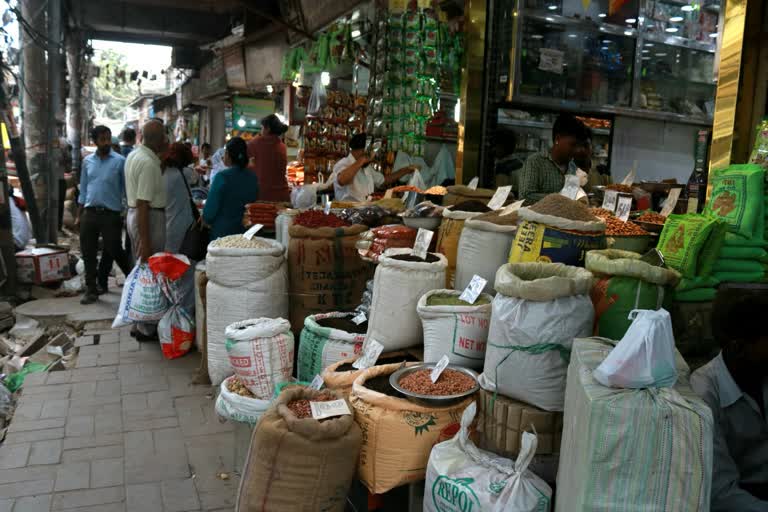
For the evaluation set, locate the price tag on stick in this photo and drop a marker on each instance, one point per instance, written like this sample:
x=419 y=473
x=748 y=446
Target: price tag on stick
x=371 y=353
x=671 y=201
x=421 y=245
x=624 y=207
x=359 y=318
x=629 y=179
x=473 y=289
x=610 y=199
x=473 y=183
x=317 y=383
x=438 y=369
x=248 y=235
x=500 y=197
x=322 y=410
x=512 y=208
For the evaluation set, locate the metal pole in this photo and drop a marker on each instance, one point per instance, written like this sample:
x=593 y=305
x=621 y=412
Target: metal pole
x=53 y=147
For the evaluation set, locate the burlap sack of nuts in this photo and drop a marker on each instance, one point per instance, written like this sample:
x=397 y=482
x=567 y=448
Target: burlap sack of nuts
x=299 y=464
x=398 y=435
x=340 y=376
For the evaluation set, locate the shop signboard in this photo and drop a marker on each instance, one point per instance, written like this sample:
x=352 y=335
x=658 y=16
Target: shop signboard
x=234 y=67
x=248 y=112
x=213 y=78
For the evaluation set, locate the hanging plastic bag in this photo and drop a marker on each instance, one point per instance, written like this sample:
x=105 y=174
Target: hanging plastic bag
x=304 y=197
x=318 y=99
x=645 y=356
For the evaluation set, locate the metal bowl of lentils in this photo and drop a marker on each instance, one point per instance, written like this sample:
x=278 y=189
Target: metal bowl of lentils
x=454 y=385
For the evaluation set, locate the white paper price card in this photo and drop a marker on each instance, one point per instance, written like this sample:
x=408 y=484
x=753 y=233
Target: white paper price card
x=421 y=245
x=317 y=383
x=473 y=183
x=359 y=318
x=500 y=197
x=438 y=369
x=248 y=235
x=629 y=179
x=571 y=188
x=473 y=289
x=671 y=201
x=371 y=353
x=322 y=410
x=624 y=207
x=512 y=208
x=610 y=199
x=388 y=193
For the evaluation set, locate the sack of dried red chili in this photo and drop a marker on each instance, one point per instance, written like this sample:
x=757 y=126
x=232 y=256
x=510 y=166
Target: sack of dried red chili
x=326 y=273
x=319 y=219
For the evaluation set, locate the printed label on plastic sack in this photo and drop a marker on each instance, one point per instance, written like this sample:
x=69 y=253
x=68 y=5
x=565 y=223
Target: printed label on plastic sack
x=470 y=337
x=322 y=410
x=455 y=494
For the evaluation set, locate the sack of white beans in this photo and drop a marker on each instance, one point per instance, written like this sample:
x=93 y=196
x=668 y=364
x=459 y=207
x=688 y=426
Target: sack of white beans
x=261 y=353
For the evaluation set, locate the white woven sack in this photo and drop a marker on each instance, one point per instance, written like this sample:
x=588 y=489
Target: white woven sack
x=199 y=309
x=267 y=298
x=397 y=287
x=330 y=344
x=142 y=299
x=234 y=407
x=460 y=332
x=230 y=266
x=461 y=476
x=538 y=311
x=483 y=248
x=261 y=353
x=559 y=222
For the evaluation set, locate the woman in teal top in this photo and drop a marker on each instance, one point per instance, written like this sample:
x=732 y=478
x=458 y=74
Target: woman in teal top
x=233 y=188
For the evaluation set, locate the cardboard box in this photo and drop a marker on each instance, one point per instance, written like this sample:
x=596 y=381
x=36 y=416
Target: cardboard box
x=42 y=265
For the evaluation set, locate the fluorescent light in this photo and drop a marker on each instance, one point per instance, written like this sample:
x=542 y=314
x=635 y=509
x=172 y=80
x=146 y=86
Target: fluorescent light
x=602 y=15
x=457 y=111
x=660 y=54
x=646 y=51
x=537 y=36
x=355 y=15
x=627 y=32
x=671 y=30
x=604 y=48
x=552 y=7
x=549 y=18
x=676 y=19
x=325 y=78
x=631 y=20
x=648 y=45
x=573 y=35
x=687 y=8
x=355 y=33
x=646 y=58
x=241 y=122
x=713 y=35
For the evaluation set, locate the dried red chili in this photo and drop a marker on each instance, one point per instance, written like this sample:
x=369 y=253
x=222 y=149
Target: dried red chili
x=318 y=219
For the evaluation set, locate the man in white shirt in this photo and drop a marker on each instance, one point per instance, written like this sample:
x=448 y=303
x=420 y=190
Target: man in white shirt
x=354 y=180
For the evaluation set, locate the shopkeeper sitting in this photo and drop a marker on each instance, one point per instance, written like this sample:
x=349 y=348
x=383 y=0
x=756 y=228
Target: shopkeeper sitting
x=354 y=179
x=544 y=173
x=735 y=386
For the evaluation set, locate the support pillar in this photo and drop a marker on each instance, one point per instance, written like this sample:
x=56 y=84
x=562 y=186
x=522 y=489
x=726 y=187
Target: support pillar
x=53 y=147
x=75 y=98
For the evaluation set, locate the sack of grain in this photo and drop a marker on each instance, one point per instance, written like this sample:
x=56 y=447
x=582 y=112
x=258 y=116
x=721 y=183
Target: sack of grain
x=254 y=285
x=459 y=331
x=237 y=405
x=448 y=240
x=737 y=198
x=483 y=247
x=398 y=284
x=399 y=434
x=340 y=376
x=261 y=353
x=462 y=477
x=538 y=310
x=460 y=193
x=556 y=230
x=200 y=305
x=501 y=422
x=328 y=338
x=326 y=273
x=624 y=283
x=669 y=429
x=297 y=465
x=691 y=243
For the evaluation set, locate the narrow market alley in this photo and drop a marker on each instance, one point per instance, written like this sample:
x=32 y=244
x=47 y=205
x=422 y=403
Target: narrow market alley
x=124 y=430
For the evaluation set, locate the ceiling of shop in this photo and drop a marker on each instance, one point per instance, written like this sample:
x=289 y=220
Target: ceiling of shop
x=169 y=22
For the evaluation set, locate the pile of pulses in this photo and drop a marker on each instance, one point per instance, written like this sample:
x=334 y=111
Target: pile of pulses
x=558 y=205
x=301 y=407
x=652 y=218
x=239 y=242
x=450 y=382
x=236 y=386
x=614 y=226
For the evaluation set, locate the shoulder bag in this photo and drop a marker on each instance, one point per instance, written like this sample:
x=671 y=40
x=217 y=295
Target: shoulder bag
x=195 y=243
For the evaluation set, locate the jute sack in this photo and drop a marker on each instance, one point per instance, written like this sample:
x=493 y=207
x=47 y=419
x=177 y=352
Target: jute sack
x=398 y=434
x=326 y=273
x=448 y=239
x=328 y=338
x=483 y=248
x=460 y=193
x=300 y=465
x=460 y=332
x=340 y=376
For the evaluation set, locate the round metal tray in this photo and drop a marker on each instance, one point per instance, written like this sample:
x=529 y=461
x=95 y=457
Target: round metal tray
x=431 y=400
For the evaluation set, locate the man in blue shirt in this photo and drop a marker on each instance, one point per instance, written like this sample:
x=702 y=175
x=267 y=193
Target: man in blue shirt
x=102 y=191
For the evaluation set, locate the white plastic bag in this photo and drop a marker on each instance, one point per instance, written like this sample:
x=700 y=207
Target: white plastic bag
x=142 y=299
x=645 y=356
x=318 y=99
x=462 y=477
x=234 y=407
x=261 y=353
x=304 y=197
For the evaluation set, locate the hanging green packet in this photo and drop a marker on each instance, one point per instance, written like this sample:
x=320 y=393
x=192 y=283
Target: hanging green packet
x=691 y=243
x=737 y=198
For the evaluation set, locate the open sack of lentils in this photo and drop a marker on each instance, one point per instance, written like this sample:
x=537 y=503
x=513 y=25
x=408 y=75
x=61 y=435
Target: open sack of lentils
x=450 y=382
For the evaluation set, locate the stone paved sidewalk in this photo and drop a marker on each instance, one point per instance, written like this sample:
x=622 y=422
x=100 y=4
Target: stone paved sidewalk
x=124 y=431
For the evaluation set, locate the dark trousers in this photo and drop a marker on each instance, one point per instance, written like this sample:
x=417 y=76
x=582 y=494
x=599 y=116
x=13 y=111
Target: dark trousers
x=107 y=224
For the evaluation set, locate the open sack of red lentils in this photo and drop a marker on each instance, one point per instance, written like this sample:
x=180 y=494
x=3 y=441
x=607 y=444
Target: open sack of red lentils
x=298 y=463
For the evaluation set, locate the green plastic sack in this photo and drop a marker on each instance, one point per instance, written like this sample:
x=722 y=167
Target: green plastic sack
x=691 y=243
x=320 y=347
x=14 y=381
x=728 y=265
x=740 y=277
x=732 y=240
x=744 y=253
x=697 y=295
x=737 y=198
x=695 y=283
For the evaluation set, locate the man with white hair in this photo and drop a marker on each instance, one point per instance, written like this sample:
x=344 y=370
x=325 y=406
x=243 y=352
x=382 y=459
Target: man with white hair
x=145 y=191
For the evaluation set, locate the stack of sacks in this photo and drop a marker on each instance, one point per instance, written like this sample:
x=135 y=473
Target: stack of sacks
x=691 y=244
x=738 y=199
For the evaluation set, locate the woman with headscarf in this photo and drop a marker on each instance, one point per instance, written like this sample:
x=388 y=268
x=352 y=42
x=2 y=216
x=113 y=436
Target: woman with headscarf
x=268 y=159
x=233 y=188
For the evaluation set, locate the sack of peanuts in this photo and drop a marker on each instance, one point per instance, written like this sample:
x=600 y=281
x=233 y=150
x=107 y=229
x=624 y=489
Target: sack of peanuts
x=326 y=272
x=556 y=230
x=448 y=239
x=400 y=434
x=454 y=327
x=538 y=311
x=261 y=353
x=328 y=338
x=400 y=280
x=236 y=402
x=484 y=247
x=340 y=376
x=246 y=279
x=462 y=477
x=296 y=463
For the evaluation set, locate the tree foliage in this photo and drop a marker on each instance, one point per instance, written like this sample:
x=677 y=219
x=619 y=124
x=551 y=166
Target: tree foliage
x=112 y=88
